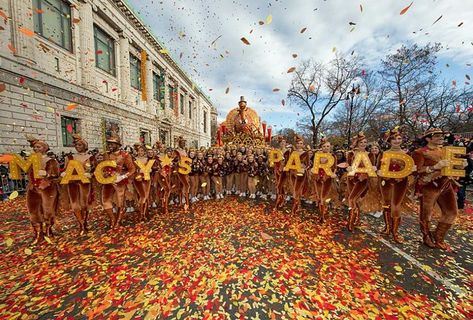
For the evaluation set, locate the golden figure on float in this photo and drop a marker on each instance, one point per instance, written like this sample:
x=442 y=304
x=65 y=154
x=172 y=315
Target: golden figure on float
x=243 y=119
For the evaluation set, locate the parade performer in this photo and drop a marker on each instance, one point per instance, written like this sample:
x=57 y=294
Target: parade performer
x=162 y=178
x=123 y=171
x=434 y=188
x=193 y=177
x=299 y=180
x=281 y=177
x=218 y=173
x=142 y=186
x=393 y=190
x=183 y=179
x=323 y=182
x=81 y=195
x=42 y=195
x=252 y=176
x=357 y=184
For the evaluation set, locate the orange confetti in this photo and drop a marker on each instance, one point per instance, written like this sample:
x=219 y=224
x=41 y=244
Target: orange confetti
x=406 y=8
x=3 y=15
x=11 y=48
x=6 y=158
x=245 y=41
x=291 y=69
x=75 y=20
x=71 y=106
x=27 y=32
x=311 y=87
x=38 y=11
x=2 y=87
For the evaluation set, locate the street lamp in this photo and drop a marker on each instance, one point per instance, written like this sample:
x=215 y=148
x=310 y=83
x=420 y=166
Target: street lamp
x=350 y=96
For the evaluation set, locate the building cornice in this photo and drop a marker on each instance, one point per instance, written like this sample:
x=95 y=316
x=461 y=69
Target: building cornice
x=127 y=9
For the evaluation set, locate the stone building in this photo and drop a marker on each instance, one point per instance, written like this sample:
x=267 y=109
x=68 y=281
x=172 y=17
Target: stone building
x=91 y=67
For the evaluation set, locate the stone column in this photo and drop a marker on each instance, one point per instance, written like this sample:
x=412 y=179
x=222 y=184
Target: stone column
x=22 y=17
x=150 y=103
x=124 y=69
x=87 y=45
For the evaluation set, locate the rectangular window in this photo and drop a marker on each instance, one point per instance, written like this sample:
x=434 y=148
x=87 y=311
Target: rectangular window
x=135 y=72
x=104 y=51
x=205 y=121
x=145 y=136
x=68 y=127
x=171 y=97
x=156 y=85
x=181 y=103
x=190 y=109
x=52 y=20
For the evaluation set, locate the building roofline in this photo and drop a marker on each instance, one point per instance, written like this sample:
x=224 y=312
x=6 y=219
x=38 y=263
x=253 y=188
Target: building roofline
x=130 y=13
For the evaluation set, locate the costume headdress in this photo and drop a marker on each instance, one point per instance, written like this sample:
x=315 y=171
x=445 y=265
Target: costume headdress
x=77 y=138
x=32 y=140
x=430 y=132
x=356 y=139
x=114 y=138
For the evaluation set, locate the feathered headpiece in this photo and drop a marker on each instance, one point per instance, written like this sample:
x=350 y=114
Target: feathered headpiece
x=77 y=138
x=32 y=140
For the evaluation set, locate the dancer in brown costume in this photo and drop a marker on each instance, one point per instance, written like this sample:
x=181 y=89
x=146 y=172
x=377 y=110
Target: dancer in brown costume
x=142 y=186
x=123 y=171
x=42 y=194
x=393 y=190
x=323 y=182
x=81 y=195
x=299 y=179
x=434 y=188
x=162 y=177
x=357 y=184
x=281 y=177
x=183 y=179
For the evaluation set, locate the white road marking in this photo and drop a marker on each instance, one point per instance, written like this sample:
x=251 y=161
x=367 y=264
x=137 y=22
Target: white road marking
x=447 y=283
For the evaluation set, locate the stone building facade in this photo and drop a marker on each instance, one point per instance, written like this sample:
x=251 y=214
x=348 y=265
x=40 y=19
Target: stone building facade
x=91 y=67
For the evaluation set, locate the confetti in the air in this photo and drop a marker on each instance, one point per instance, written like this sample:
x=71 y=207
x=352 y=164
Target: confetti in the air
x=245 y=41
x=403 y=11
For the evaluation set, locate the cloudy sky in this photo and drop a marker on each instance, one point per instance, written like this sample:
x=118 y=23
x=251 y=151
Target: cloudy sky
x=204 y=38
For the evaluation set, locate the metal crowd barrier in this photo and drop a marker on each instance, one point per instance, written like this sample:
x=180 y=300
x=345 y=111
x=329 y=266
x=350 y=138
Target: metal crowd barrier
x=8 y=186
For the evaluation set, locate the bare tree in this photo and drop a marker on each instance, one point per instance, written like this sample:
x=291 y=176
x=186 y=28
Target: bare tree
x=406 y=73
x=319 y=88
x=368 y=100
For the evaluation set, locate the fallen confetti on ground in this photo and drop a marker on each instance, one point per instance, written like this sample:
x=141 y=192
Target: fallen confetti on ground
x=230 y=259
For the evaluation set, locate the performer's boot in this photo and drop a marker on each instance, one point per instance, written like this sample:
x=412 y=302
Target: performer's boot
x=426 y=234
x=323 y=210
x=387 y=220
x=395 y=229
x=112 y=217
x=357 y=217
x=86 y=218
x=80 y=219
x=439 y=235
x=48 y=228
x=121 y=214
x=351 y=219
x=279 y=201
x=38 y=233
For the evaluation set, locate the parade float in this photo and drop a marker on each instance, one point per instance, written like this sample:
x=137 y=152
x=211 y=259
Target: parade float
x=242 y=126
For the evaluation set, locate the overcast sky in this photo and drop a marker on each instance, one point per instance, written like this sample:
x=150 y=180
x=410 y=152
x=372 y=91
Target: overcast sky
x=188 y=29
